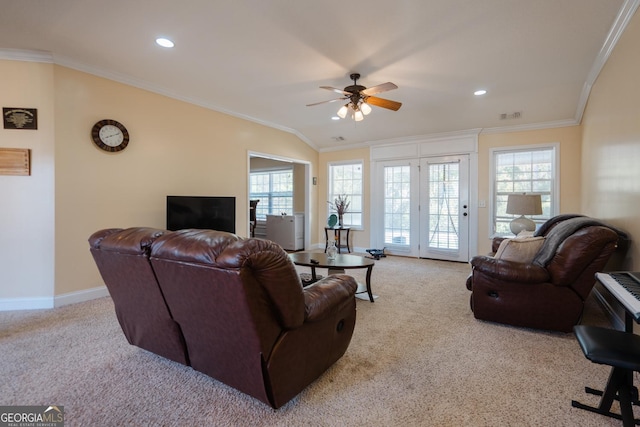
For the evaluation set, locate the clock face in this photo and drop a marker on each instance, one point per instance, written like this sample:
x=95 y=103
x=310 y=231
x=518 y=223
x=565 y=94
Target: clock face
x=110 y=135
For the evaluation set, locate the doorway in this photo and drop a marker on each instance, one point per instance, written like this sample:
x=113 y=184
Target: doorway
x=444 y=208
x=301 y=192
x=423 y=207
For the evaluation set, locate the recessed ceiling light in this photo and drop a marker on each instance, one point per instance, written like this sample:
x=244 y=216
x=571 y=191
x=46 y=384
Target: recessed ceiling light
x=164 y=42
x=335 y=118
x=479 y=92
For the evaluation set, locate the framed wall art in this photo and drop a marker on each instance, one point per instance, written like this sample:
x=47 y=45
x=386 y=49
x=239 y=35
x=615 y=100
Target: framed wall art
x=20 y=118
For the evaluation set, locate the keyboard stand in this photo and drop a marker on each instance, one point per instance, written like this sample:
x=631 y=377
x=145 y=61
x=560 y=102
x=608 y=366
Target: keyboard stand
x=618 y=388
x=604 y=349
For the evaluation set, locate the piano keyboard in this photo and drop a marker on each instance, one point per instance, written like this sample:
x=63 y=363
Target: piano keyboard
x=625 y=287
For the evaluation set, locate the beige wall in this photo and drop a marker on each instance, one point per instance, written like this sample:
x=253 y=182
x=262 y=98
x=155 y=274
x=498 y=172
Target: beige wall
x=175 y=148
x=569 y=139
x=611 y=146
x=27 y=202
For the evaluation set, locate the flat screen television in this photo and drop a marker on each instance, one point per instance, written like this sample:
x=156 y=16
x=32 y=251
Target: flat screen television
x=214 y=213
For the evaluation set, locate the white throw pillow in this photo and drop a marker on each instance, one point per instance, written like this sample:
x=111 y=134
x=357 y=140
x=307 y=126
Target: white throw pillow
x=524 y=234
x=522 y=249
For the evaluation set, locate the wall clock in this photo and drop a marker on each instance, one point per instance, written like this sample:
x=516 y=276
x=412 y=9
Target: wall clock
x=110 y=135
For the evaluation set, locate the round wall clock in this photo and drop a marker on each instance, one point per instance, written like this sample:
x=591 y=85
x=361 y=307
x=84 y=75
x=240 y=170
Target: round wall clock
x=110 y=135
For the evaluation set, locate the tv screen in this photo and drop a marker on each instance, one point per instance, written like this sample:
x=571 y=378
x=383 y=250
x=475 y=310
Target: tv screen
x=214 y=213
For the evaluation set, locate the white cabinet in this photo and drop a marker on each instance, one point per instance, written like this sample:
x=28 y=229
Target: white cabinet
x=286 y=230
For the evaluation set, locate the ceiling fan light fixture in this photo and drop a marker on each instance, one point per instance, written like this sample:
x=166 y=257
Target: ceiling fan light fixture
x=357 y=96
x=342 y=112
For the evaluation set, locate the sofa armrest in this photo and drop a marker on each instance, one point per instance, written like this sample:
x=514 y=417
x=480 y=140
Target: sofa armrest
x=327 y=296
x=509 y=270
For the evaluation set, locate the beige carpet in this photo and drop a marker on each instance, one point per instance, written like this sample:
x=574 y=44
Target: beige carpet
x=418 y=358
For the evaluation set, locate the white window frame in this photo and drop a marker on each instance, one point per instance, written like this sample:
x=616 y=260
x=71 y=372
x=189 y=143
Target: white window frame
x=555 y=187
x=331 y=195
x=261 y=206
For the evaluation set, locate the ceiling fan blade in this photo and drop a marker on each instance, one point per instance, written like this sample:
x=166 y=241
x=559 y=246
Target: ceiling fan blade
x=324 y=102
x=384 y=103
x=379 y=88
x=334 y=89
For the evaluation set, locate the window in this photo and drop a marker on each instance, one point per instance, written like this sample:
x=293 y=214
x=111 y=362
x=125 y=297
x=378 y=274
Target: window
x=274 y=189
x=525 y=170
x=346 y=179
x=397 y=205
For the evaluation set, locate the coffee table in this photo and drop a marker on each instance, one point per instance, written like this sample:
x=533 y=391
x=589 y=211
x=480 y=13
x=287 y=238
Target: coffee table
x=341 y=262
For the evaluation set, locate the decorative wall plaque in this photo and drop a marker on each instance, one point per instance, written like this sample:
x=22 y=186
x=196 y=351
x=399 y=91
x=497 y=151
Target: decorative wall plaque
x=15 y=161
x=20 y=118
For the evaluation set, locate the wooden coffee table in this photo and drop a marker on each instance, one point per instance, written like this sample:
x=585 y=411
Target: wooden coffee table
x=341 y=262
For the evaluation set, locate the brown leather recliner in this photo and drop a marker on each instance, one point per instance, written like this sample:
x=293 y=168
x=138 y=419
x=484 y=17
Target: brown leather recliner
x=550 y=292
x=122 y=257
x=244 y=315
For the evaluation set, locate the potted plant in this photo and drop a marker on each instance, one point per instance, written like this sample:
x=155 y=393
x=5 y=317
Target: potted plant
x=340 y=205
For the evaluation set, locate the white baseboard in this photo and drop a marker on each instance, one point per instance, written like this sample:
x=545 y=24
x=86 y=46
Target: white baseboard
x=37 y=303
x=81 y=296
x=43 y=303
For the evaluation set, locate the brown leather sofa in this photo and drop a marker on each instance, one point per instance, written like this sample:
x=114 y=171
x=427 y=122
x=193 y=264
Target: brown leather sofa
x=122 y=257
x=239 y=306
x=549 y=292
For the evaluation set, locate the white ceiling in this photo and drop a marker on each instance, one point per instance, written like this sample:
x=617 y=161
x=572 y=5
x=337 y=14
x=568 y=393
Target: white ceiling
x=265 y=59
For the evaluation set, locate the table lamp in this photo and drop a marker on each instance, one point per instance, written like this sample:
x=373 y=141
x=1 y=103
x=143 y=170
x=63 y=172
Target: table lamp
x=523 y=204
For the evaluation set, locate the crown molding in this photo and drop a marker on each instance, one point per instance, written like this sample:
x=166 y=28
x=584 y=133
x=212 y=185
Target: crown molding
x=531 y=126
x=625 y=14
x=432 y=137
x=26 y=55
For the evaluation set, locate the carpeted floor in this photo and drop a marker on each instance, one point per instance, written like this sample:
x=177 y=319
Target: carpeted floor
x=418 y=358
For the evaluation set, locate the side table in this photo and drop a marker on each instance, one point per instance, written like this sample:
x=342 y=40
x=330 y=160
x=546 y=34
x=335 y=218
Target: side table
x=337 y=235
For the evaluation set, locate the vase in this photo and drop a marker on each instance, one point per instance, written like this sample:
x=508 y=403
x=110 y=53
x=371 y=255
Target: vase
x=340 y=220
x=332 y=250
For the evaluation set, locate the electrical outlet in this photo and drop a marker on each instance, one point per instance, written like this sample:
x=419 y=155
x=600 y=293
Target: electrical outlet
x=482 y=203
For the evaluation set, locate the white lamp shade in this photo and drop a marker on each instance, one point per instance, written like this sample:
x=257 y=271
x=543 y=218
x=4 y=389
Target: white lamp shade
x=342 y=112
x=365 y=108
x=358 y=116
x=523 y=204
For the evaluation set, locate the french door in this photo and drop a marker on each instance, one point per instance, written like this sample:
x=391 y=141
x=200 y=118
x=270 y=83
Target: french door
x=424 y=207
x=444 y=208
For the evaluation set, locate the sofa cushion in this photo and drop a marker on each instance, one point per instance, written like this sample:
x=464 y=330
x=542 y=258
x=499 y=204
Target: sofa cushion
x=521 y=250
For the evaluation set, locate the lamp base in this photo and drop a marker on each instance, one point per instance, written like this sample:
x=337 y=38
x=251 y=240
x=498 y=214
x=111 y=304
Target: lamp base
x=522 y=224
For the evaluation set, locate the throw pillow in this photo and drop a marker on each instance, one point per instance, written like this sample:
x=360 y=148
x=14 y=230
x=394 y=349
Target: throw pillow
x=521 y=250
x=524 y=234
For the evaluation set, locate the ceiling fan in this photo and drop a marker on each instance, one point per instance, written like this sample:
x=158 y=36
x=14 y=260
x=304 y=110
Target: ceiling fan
x=360 y=98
